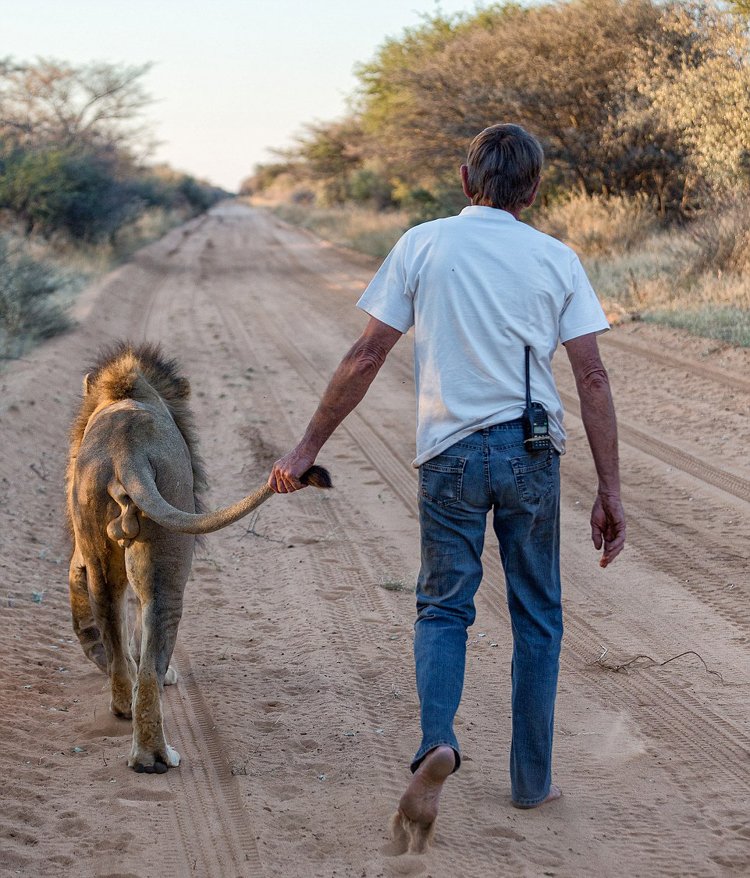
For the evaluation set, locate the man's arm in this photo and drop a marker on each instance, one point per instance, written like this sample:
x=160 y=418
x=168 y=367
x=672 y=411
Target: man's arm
x=598 y=415
x=346 y=389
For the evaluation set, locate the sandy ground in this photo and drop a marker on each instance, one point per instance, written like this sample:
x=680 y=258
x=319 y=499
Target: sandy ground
x=296 y=712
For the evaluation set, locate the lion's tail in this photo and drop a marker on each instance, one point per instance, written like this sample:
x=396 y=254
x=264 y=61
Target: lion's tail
x=147 y=498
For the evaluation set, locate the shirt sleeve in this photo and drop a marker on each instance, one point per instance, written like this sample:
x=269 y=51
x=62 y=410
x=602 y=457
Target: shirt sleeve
x=581 y=313
x=388 y=296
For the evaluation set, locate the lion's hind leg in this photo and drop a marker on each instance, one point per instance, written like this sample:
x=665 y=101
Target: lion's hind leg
x=171 y=677
x=161 y=612
x=84 y=625
x=107 y=597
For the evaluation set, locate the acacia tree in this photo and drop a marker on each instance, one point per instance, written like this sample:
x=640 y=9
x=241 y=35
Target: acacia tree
x=693 y=85
x=560 y=69
x=70 y=137
x=327 y=153
x=96 y=106
x=628 y=96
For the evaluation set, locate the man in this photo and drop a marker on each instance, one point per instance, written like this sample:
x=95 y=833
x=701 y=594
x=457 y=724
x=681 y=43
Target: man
x=479 y=288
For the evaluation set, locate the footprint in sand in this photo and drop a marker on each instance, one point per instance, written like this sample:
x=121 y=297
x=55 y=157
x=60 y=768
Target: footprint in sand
x=405 y=864
x=499 y=832
x=134 y=795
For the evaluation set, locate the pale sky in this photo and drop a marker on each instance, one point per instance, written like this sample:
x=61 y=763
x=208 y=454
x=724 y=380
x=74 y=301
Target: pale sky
x=231 y=77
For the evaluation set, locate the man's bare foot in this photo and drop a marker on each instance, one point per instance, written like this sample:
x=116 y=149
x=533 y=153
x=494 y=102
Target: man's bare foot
x=413 y=824
x=554 y=793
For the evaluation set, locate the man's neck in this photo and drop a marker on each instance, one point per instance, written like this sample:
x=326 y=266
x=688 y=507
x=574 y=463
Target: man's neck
x=515 y=212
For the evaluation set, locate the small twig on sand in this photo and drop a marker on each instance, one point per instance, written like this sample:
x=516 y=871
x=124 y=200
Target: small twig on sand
x=698 y=656
x=649 y=662
x=42 y=473
x=250 y=529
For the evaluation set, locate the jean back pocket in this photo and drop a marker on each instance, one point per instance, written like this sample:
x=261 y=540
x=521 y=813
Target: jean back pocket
x=534 y=475
x=441 y=479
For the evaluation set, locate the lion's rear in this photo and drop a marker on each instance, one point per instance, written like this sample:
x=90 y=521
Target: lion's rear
x=118 y=374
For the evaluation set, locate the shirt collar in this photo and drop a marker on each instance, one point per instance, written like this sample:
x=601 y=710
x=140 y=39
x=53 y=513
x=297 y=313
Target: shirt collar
x=493 y=213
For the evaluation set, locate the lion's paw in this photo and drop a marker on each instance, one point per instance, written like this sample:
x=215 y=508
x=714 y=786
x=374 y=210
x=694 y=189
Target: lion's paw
x=171 y=677
x=158 y=767
x=121 y=705
x=154 y=763
x=173 y=757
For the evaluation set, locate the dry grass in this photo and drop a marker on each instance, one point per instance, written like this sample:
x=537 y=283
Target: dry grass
x=719 y=242
x=696 y=278
x=359 y=228
x=32 y=295
x=39 y=278
x=597 y=226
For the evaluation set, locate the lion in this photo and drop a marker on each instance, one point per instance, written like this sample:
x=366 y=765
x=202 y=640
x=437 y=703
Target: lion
x=133 y=483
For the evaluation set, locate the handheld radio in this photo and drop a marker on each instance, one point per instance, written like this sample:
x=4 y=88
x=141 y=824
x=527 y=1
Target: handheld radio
x=535 y=423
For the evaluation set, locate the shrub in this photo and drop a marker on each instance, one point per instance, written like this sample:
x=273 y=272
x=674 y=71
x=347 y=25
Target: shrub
x=423 y=204
x=720 y=240
x=55 y=189
x=28 y=310
x=594 y=225
x=369 y=187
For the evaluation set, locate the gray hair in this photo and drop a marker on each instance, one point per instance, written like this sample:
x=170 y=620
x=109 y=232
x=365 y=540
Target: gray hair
x=504 y=163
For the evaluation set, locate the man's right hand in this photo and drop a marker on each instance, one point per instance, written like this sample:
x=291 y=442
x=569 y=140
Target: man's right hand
x=608 y=526
x=286 y=472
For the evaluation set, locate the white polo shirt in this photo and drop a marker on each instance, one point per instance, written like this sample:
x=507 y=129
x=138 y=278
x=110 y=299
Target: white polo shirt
x=478 y=288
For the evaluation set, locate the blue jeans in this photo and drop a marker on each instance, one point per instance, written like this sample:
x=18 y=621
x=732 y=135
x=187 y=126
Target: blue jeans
x=491 y=471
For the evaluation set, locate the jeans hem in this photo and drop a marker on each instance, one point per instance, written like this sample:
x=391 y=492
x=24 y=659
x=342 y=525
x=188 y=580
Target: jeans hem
x=425 y=751
x=530 y=803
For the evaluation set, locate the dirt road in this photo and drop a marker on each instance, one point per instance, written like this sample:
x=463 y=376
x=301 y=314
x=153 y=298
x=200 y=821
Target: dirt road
x=296 y=712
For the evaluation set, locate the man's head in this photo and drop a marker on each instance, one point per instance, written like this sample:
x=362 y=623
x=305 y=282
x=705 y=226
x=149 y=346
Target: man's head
x=502 y=168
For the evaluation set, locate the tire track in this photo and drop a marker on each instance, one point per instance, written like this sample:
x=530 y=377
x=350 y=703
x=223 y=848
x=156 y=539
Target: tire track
x=216 y=837
x=154 y=321
x=712 y=373
x=344 y=610
x=658 y=541
x=668 y=454
x=214 y=827
x=672 y=549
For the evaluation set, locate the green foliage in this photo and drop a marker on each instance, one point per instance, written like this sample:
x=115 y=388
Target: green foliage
x=691 y=94
x=424 y=204
x=28 y=309
x=263 y=177
x=558 y=68
x=63 y=189
x=197 y=196
x=330 y=154
x=71 y=178
x=367 y=186
x=67 y=140
x=647 y=98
